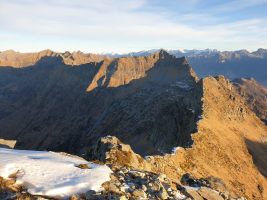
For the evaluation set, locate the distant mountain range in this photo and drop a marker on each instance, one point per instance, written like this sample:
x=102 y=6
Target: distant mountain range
x=260 y=53
x=232 y=64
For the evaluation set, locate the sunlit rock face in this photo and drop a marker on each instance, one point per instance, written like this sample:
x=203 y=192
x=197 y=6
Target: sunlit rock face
x=254 y=94
x=21 y=60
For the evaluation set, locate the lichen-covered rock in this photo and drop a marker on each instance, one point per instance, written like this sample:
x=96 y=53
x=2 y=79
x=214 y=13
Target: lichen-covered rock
x=111 y=150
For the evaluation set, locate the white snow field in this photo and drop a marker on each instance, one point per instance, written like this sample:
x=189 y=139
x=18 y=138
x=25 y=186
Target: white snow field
x=52 y=174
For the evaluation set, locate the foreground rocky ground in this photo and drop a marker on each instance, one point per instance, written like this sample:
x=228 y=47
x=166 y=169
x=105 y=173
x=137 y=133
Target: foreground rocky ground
x=130 y=180
x=132 y=184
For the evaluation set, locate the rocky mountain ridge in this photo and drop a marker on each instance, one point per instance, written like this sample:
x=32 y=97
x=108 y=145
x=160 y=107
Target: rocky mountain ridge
x=16 y=59
x=141 y=89
x=232 y=64
x=230 y=141
x=153 y=103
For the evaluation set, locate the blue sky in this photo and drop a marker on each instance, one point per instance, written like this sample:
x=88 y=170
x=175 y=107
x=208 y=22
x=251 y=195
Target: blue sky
x=132 y=25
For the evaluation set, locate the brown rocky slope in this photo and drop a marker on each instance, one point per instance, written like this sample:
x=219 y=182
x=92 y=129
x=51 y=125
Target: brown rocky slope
x=254 y=94
x=229 y=144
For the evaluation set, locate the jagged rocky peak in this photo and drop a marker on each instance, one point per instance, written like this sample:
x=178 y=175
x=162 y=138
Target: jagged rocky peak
x=160 y=67
x=66 y=54
x=11 y=58
x=79 y=58
x=47 y=52
x=216 y=80
x=261 y=51
x=16 y=59
x=162 y=54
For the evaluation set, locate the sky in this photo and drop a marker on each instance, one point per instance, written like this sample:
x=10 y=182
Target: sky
x=121 y=26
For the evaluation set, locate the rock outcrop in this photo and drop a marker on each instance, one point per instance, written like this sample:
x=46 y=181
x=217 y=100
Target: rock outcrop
x=134 y=178
x=122 y=71
x=112 y=151
x=7 y=143
x=254 y=94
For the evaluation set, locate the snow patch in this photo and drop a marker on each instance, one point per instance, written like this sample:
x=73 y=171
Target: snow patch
x=125 y=187
x=191 y=188
x=179 y=196
x=52 y=174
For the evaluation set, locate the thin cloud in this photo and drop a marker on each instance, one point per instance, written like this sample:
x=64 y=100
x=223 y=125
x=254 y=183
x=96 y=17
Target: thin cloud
x=240 y=4
x=123 y=25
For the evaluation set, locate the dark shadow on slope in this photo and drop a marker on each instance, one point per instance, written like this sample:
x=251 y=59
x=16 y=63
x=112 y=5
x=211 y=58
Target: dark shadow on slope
x=153 y=114
x=4 y=146
x=46 y=107
x=258 y=152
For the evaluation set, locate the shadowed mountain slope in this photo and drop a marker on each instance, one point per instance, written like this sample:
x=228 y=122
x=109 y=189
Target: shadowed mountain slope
x=58 y=107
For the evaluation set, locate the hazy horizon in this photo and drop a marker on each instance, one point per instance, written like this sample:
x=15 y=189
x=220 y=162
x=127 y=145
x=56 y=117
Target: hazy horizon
x=121 y=53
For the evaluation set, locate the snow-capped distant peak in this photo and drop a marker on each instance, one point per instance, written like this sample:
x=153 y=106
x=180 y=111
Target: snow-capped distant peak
x=182 y=50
